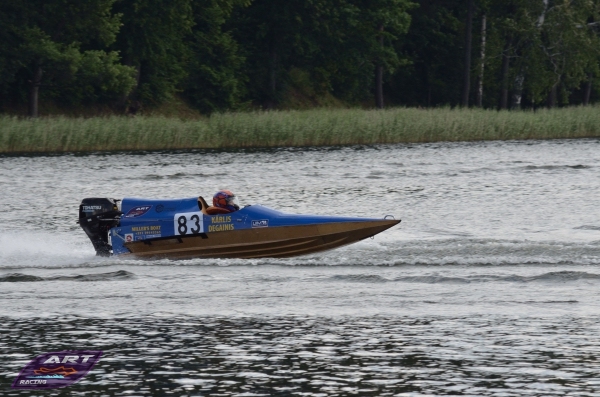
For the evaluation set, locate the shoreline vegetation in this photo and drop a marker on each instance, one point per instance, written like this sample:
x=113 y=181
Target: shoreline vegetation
x=292 y=128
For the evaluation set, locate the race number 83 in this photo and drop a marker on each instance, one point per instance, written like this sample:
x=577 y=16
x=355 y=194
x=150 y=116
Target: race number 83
x=188 y=223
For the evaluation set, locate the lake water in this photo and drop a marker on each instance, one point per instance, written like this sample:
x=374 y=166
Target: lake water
x=489 y=286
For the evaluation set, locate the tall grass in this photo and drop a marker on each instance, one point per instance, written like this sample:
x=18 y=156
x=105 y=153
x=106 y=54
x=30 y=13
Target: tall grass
x=293 y=128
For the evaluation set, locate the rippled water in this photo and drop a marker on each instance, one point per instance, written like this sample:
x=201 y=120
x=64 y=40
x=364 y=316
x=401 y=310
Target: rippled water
x=489 y=286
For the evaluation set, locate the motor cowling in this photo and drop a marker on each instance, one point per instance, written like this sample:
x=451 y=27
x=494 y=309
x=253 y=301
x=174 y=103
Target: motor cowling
x=96 y=217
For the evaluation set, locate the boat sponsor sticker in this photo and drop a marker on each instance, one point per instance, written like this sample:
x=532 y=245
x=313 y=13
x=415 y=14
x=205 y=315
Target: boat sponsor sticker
x=56 y=369
x=260 y=223
x=137 y=211
x=128 y=237
x=188 y=223
x=144 y=232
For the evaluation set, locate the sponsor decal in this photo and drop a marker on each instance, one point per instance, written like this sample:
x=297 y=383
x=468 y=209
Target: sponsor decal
x=144 y=232
x=56 y=369
x=146 y=236
x=260 y=223
x=128 y=237
x=137 y=211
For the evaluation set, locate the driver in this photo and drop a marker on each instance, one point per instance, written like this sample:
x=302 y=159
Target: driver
x=226 y=200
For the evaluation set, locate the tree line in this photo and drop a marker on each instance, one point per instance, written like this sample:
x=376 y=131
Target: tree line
x=236 y=54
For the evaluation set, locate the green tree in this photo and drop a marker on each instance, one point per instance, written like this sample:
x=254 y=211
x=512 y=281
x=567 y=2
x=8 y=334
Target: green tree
x=215 y=77
x=152 y=41
x=382 y=22
x=434 y=47
x=340 y=44
x=548 y=47
x=567 y=47
x=56 y=43
x=267 y=32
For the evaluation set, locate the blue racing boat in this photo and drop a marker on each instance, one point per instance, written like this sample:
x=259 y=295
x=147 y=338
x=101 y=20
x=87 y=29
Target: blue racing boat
x=188 y=228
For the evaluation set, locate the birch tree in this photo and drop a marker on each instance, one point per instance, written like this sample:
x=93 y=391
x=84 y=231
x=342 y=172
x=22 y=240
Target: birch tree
x=569 y=47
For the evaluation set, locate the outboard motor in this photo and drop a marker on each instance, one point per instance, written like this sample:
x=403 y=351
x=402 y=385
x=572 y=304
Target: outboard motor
x=96 y=217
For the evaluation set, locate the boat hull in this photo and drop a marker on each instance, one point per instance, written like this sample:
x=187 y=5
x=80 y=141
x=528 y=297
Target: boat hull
x=276 y=242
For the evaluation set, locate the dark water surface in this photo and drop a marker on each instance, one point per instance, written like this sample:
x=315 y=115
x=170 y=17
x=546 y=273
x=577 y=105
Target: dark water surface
x=489 y=286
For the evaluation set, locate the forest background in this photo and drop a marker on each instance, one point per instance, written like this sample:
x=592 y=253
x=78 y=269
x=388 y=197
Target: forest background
x=98 y=57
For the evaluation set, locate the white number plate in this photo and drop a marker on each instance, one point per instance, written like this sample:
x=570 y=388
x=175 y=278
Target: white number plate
x=188 y=223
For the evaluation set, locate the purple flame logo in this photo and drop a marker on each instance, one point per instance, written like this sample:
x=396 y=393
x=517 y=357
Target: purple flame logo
x=56 y=369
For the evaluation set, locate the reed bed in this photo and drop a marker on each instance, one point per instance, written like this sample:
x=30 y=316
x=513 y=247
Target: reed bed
x=318 y=127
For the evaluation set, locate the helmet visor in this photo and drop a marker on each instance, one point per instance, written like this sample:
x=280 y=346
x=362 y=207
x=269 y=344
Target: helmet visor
x=232 y=201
